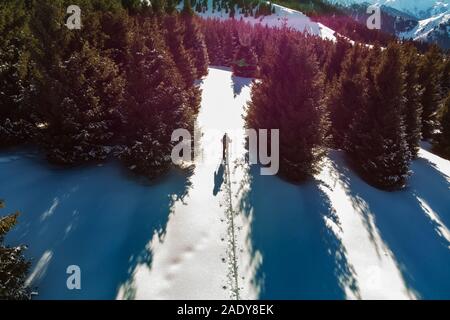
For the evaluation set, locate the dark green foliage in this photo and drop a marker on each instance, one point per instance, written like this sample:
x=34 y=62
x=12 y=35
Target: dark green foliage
x=174 y=34
x=216 y=47
x=83 y=111
x=13 y=265
x=374 y=96
x=13 y=20
x=132 y=5
x=335 y=58
x=187 y=8
x=194 y=42
x=15 y=126
x=160 y=6
x=171 y=6
x=122 y=84
x=156 y=102
x=347 y=95
x=442 y=143
x=289 y=98
x=264 y=9
x=430 y=79
x=446 y=76
x=413 y=103
x=376 y=142
x=15 y=132
x=79 y=89
x=80 y=93
x=245 y=62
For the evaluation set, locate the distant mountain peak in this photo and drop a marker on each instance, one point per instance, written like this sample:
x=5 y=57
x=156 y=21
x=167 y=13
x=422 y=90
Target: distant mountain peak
x=420 y=20
x=421 y=9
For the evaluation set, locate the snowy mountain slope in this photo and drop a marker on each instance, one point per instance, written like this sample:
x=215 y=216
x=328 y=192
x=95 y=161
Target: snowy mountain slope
x=436 y=28
x=282 y=17
x=420 y=20
x=421 y=9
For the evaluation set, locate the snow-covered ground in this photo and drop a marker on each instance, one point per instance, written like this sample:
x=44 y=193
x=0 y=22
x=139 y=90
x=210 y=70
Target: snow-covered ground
x=194 y=258
x=282 y=17
x=334 y=237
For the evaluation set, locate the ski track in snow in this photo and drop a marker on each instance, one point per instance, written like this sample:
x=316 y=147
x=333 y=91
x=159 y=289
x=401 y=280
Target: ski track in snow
x=196 y=256
x=376 y=271
x=394 y=245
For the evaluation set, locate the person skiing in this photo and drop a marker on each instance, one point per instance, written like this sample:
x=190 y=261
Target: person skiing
x=225 y=144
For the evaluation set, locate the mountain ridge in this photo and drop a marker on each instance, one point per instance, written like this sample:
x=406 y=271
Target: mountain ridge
x=421 y=20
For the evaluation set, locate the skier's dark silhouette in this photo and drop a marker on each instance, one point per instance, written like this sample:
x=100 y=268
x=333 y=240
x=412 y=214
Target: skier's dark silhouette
x=225 y=143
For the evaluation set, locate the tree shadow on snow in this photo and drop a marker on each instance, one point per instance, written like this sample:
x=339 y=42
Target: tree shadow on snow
x=240 y=83
x=422 y=254
x=301 y=256
x=97 y=218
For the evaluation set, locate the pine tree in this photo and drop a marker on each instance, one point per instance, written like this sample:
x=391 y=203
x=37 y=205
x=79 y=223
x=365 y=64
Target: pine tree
x=376 y=143
x=289 y=98
x=171 y=6
x=413 y=104
x=187 y=8
x=79 y=90
x=245 y=62
x=50 y=47
x=13 y=265
x=214 y=44
x=348 y=94
x=157 y=103
x=84 y=114
x=336 y=57
x=442 y=143
x=431 y=97
x=159 y=6
x=115 y=27
x=194 y=43
x=446 y=76
x=15 y=132
x=15 y=118
x=133 y=6
x=230 y=43
x=174 y=31
x=183 y=59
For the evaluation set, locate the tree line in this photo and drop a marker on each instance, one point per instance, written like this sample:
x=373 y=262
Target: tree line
x=116 y=88
x=120 y=86
x=13 y=265
x=374 y=103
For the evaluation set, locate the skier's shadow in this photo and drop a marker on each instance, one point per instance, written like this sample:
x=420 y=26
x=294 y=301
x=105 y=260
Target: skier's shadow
x=218 y=178
x=238 y=83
